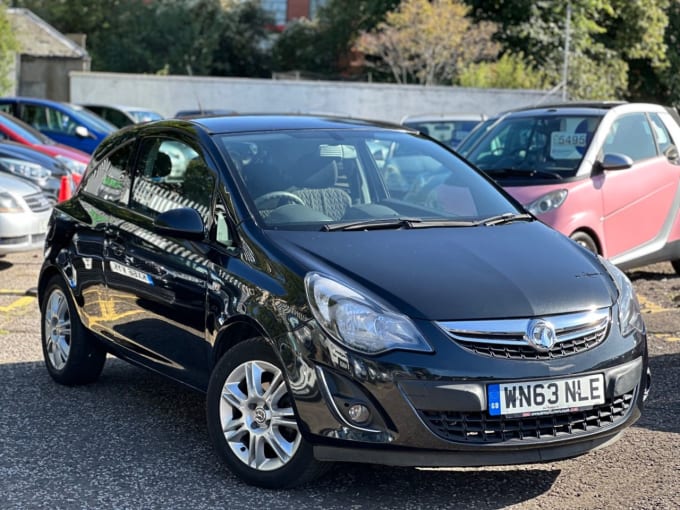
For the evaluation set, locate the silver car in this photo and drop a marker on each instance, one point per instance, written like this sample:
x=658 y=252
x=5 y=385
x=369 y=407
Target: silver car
x=24 y=212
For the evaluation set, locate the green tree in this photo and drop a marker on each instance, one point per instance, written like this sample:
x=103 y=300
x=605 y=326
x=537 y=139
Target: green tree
x=199 y=37
x=8 y=47
x=244 y=41
x=605 y=36
x=428 y=42
x=510 y=71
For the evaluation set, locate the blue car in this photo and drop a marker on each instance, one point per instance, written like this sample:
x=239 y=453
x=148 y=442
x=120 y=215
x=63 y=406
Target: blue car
x=65 y=123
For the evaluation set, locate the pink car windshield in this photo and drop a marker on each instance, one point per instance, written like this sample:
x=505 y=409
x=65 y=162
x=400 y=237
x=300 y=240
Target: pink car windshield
x=540 y=147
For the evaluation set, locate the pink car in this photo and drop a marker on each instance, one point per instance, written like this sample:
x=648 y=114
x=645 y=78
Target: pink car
x=605 y=174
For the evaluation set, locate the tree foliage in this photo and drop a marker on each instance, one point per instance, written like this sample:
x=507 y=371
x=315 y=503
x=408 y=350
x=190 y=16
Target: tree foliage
x=8 y=47
x=605 y=35
x=171 y=36
x=427 y=42
x=510 y=71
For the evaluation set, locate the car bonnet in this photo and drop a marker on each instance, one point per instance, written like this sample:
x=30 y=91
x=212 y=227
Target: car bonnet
x=513 y=270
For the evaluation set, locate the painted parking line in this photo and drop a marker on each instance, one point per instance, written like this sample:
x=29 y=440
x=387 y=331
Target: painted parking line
x=648 y=306
x=17 y=304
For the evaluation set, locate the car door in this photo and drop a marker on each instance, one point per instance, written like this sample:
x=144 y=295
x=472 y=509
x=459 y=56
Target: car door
x=57 y=124
x=157 y=281
x=637 y=201
x=103 y=189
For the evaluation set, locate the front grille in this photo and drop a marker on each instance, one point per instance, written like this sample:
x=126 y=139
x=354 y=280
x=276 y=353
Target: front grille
x=507 y=338
x=38 y=202
x=5 y=241
x=481 y=428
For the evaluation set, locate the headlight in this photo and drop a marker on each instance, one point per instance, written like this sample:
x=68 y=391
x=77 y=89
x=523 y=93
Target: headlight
x=547 y=202
x=359 y=322
x=630 y=318
x=72 y=164
x=9 y=204
x=27 y=169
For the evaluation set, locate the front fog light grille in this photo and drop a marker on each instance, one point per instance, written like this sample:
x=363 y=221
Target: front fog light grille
x=574 y=333
x=481 y=428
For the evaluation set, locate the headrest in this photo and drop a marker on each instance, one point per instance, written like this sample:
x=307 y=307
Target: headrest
x=314 y=171
x=162 y=166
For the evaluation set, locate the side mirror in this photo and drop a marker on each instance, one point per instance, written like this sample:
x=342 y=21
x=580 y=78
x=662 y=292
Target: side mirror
x=184 y=222
x=615 y=161
x=671 y=153
x=83 y=132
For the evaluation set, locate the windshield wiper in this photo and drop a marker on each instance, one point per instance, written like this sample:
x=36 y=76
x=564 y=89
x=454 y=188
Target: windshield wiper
x=396 y=223
x=505 y=218
x=377 y=224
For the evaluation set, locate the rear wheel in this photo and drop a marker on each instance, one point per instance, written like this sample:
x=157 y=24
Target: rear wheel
x=584 y=240
x=252 y=421
x=72 y=354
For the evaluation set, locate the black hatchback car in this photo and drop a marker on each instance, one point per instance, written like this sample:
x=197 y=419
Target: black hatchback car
x=262 y=260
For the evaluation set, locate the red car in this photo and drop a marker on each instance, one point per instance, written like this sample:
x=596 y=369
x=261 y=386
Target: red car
x=18 y=131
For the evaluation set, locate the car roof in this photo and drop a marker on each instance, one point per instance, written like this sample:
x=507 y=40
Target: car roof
x=265 y=122
x=432 y=117
x=583 y=108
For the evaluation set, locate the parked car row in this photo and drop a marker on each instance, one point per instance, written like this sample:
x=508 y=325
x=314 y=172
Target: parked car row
x=47 y=144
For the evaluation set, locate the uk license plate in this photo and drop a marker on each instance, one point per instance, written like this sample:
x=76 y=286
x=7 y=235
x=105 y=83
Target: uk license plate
x=543 y=397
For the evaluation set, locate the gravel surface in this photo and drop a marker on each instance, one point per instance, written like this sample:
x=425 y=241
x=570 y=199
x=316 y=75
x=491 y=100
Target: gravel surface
x=135 y=440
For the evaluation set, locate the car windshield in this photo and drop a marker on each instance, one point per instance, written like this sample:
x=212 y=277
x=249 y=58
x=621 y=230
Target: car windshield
x=355 y=179
x=144 y=115
x=28 y=133
x=96 y=120
x=538 y=146
x=450 y=132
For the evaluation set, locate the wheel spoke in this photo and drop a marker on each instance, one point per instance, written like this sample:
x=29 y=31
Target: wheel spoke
x=269 y=395
x=287 y=421
x=233 y=395
x=64 y=327
x=62 y=348
x=254 y=379
x=256 y=455
x=282 y=448
x=235 y=429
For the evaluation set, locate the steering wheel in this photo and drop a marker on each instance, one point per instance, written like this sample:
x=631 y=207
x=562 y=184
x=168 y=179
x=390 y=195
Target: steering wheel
x=278 y=195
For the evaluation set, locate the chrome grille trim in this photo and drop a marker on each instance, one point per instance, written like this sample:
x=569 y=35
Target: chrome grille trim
x=506 y=338
x=38 y=202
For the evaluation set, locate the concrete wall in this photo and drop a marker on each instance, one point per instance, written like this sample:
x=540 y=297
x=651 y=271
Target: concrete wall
x=48 y=77
x=169 y=94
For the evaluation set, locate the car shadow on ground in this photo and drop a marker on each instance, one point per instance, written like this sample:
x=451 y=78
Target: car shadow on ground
x=662 y=409
x=134 y=429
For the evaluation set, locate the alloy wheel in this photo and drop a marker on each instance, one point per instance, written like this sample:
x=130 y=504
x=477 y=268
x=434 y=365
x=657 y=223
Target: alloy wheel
x=257 y=416
x=57 y=329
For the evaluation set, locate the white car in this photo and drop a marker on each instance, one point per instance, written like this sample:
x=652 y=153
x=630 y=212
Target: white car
x=24 y=213
x=448 y=128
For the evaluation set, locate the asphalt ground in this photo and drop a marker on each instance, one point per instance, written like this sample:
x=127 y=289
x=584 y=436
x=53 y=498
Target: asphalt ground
x=134 y=440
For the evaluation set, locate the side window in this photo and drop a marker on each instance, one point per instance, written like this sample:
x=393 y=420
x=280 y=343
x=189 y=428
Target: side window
x=49 y=119
x=663 y=138
x=7 y=108
x=631 y=135
x=170 y=174
x=109 y=179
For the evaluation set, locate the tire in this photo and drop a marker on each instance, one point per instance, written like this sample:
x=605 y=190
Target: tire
x=72 y=355
x=241 y=424
x=584 y=240
x=676 y=266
